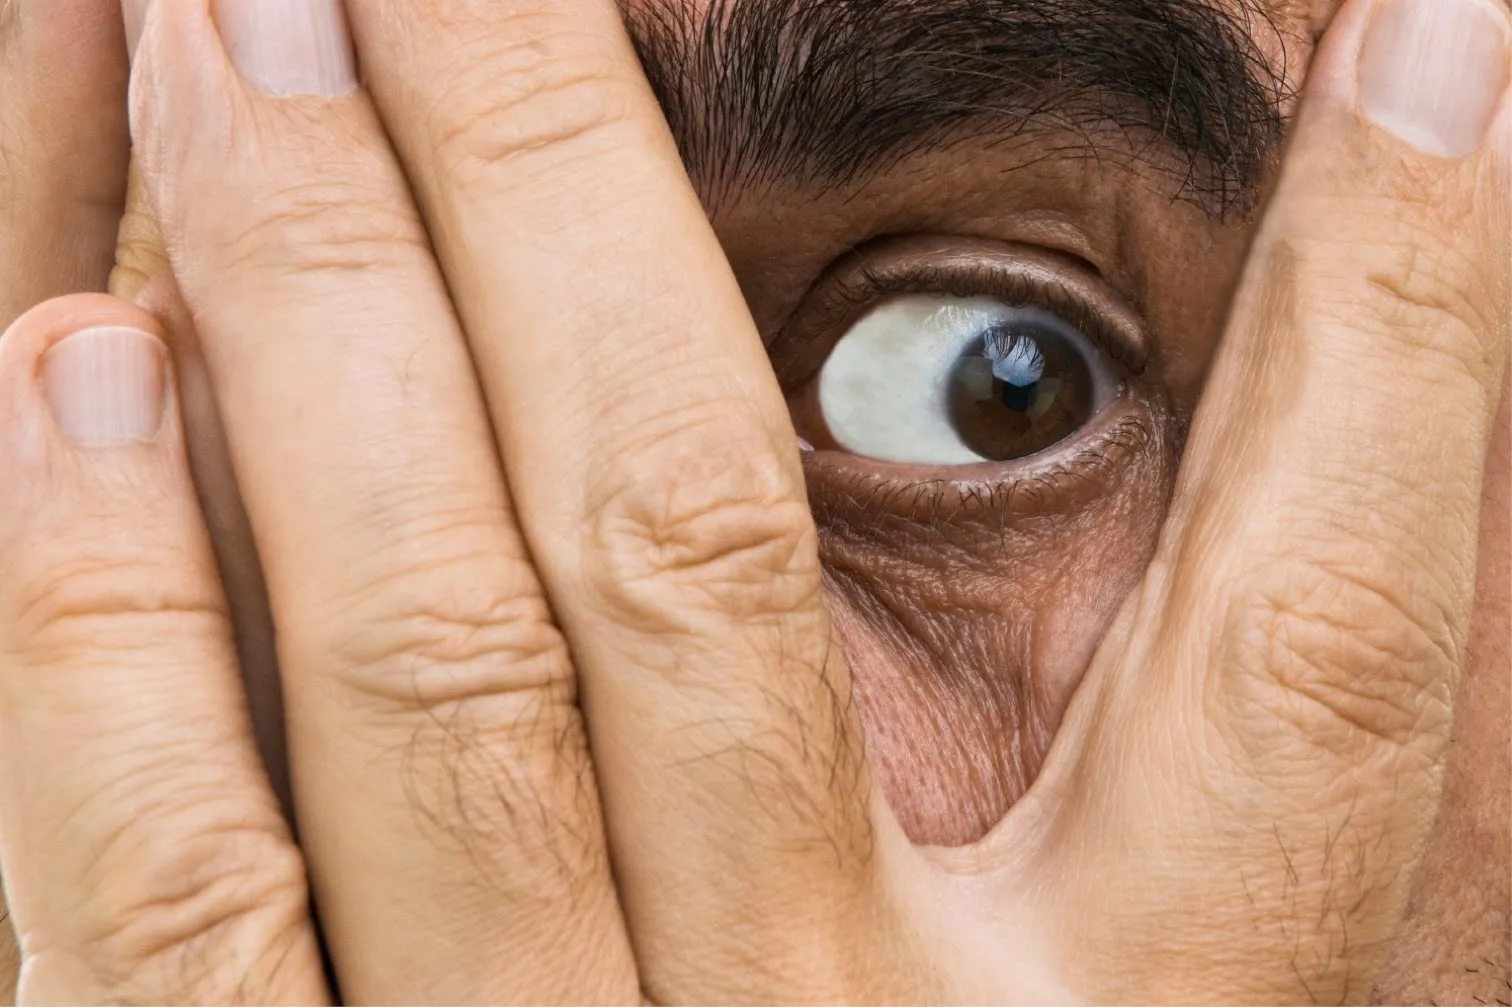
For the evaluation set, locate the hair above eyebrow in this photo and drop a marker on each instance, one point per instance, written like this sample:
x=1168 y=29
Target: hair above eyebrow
x=826 y=92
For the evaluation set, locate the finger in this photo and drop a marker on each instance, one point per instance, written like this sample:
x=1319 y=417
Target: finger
x=658 y=481
x=139 y=255
x=63 y=147
x=143 y=274
x=439 y=762
x=220 y=501
x=145 y=856
x=1306 y=616
x=1452 y=884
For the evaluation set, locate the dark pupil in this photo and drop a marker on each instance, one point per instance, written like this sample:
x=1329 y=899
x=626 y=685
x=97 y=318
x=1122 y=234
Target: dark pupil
x=1002 y=421
x=1020 y=398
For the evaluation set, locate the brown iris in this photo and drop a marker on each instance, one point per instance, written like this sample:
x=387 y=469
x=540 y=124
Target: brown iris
x=1034 y=408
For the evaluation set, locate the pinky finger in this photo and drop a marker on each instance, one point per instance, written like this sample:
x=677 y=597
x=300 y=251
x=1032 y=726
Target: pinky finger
x=144 y=854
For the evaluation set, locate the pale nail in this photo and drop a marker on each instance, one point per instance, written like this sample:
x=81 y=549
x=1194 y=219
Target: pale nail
x=106 y=385
x=1434 y=72
x=289 y=47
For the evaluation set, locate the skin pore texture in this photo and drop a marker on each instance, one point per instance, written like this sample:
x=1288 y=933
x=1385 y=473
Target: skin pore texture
x=970 y=612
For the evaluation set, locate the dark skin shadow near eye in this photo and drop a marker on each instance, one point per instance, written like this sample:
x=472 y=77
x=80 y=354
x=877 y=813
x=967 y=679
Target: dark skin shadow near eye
x=970 y=601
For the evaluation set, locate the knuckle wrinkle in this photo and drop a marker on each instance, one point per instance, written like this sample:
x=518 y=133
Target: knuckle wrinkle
x=1338 y=662
x=534 y=97
x=737 y=539
x=191 y=911
x=414 y=649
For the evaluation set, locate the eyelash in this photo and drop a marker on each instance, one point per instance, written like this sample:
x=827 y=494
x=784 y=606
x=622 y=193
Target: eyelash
x=862 y=495
x=850 y=297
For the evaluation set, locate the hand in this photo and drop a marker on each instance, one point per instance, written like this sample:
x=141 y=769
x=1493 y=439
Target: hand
x=63 y=151
x=658 y=512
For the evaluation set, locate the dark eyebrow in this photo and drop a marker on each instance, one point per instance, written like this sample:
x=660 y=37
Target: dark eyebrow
x=826 y=92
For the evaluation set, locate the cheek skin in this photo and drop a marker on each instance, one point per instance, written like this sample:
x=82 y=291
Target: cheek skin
x=964 y=656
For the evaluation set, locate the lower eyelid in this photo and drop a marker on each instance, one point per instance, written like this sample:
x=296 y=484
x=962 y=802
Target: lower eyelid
x=880 y=499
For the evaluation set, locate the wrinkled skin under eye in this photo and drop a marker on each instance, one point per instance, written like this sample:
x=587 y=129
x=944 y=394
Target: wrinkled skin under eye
x=969 y=581
x=933 y=380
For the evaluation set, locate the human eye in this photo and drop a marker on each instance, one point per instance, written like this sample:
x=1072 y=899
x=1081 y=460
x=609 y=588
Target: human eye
x=892 y=191
x=969 y=367
x=942 y=380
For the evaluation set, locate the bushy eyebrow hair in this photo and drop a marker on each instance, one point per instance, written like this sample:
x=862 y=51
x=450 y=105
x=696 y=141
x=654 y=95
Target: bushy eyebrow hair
x=829 y=92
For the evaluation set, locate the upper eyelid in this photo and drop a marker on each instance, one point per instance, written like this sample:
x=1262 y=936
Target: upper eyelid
x=1019 y=292
x=966 y=267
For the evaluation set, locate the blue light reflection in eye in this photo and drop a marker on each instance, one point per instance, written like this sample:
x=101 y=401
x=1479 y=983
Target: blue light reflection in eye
x=1016 y=357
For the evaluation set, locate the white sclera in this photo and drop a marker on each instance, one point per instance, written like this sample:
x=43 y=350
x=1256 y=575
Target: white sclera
x=883 y=390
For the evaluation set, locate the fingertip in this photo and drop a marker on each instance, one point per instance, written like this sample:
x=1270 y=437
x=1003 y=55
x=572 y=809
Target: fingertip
x=86 y=371
x=92 y=451
x=34 y=333
x=184 y=94
x=1430 y=74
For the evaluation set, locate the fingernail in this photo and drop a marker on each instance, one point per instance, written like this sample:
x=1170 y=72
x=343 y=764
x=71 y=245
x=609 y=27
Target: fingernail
x=106 y=385
x=1434 y=72
x=289 y=47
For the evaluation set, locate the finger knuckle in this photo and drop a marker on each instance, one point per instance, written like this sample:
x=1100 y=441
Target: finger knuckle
x=462 y=667
x=1433 y=294
x=1336 y=661
x=1434 y=298
x=731 y=535
x=77 y=608
x=310 y=227
x=537 y=97
x=199 y=916
x=430 y=636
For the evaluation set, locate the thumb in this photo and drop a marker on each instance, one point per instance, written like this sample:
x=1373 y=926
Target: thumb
x=1263 y=731
x=144 y=854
